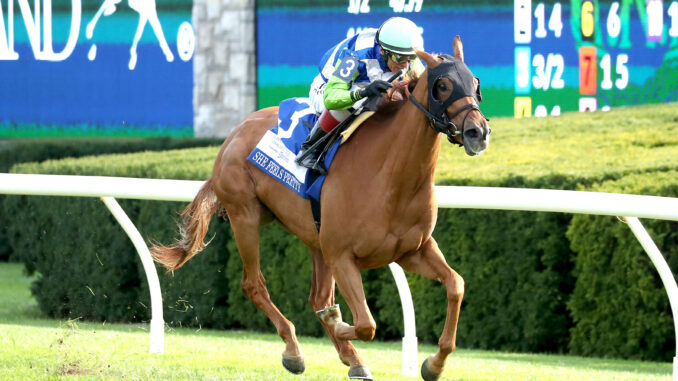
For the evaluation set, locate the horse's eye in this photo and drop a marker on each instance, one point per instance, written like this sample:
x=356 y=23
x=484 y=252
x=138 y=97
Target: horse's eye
x=441 y=90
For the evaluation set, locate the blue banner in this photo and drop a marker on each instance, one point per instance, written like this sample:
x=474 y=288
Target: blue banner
x=118 y=69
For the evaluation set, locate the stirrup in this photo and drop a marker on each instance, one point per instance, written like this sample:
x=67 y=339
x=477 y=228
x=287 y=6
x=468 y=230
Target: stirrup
x=311 y=151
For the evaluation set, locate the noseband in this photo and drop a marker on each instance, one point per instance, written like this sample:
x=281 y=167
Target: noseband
x=462 y=86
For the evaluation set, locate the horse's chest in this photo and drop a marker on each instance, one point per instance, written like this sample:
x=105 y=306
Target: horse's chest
x=388 y=247
x=407 y=242
x=409 y=226
x=386 y=227
x=392 y=240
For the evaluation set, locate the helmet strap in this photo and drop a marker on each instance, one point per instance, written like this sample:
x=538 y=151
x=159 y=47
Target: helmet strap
x=384 y=55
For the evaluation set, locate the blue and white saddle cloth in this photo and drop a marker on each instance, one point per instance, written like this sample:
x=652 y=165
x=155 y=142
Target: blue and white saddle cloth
x=275 y=152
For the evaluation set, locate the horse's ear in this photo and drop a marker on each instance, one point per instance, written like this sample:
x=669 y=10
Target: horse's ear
x=458 y=49
x=431 y=60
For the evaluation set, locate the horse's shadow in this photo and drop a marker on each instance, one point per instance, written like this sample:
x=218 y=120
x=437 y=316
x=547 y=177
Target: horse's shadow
x=147 y=13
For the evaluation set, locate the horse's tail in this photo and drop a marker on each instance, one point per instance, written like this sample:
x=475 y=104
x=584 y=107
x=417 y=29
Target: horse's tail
x=196 y=220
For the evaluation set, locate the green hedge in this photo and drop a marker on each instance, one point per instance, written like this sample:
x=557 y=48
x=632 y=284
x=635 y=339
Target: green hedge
x=71 y=278
x=518 y=275
x=619 y=304
x=518 y=266
x=13 y=151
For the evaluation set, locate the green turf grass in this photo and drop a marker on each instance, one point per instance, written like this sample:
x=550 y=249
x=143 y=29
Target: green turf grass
x=33 y=347
x=575 y=145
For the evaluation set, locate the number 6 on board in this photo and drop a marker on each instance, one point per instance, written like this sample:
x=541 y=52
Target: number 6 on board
x=588 y=21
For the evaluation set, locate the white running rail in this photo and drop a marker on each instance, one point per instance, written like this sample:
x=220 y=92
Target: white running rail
x=540 y=200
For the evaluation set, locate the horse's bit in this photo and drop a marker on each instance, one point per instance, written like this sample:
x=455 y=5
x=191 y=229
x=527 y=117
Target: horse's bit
x=462 y=86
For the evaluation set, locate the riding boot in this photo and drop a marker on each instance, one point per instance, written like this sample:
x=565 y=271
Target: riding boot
x=309 y=159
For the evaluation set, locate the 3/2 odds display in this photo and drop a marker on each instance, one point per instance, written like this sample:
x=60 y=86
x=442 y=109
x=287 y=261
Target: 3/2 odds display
x=534 y=57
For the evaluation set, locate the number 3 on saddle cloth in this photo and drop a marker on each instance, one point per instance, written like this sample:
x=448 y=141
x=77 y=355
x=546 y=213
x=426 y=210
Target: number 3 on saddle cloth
x=275 y=152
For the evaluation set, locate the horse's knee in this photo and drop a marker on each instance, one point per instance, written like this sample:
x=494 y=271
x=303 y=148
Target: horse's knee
x=365 y=330
x=248 y=289
x=252 y=288
x=455 y=288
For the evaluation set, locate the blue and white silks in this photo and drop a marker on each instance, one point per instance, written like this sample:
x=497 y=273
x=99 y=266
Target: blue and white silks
x=275 y=152
x=364 y=47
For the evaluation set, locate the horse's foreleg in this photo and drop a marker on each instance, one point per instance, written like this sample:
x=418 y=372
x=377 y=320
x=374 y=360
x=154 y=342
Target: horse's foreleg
x=347 y=275
x=245 y=220
x=322 y=295
x=430 y=262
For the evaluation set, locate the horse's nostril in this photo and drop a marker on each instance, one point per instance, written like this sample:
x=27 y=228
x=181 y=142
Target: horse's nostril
x=472 y=133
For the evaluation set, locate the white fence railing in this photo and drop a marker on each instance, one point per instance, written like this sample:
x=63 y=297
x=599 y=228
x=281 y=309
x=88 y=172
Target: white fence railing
x=108 y=188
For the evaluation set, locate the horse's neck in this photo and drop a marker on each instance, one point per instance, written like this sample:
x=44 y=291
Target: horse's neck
x=410 y=148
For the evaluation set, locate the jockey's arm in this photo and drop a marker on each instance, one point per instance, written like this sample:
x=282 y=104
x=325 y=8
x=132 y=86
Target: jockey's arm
x=337 y=94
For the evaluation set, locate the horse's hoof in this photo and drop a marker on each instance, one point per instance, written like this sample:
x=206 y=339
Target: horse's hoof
x=360 y=372
x=294 y=364
x=427 y=374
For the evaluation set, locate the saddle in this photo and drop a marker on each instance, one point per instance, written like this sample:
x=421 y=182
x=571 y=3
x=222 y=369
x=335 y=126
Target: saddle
x=342 y=132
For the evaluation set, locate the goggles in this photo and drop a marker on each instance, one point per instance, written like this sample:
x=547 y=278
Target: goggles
x=399 y=58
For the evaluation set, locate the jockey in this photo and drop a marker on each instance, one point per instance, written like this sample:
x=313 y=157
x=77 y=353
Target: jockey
x=355 y=69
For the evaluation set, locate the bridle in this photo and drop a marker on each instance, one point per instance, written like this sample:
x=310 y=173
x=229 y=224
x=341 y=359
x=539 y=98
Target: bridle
x=462 y=86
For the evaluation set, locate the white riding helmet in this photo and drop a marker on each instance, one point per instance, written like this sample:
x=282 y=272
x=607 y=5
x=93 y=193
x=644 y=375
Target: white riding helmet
x=399 y=35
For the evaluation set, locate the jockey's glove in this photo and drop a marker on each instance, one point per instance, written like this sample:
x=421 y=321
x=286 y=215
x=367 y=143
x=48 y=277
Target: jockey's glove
x=374 y=89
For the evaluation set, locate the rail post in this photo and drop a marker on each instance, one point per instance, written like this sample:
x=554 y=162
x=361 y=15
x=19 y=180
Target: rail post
x=157 y=344
x=664 y=273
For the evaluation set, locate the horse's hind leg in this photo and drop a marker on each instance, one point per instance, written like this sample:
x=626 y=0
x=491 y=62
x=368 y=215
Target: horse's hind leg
x=322 y=295
x=245 y=218
x=430 y=262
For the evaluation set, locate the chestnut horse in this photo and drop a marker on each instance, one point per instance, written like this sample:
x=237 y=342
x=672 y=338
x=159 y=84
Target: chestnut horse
x=378 y=207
